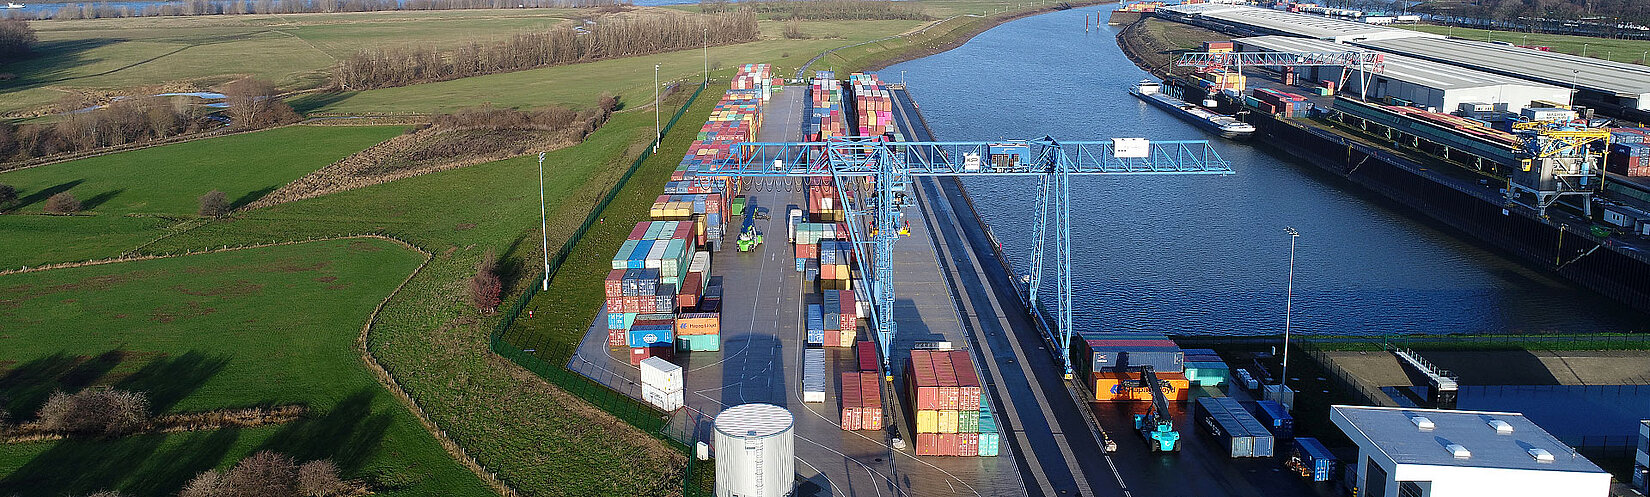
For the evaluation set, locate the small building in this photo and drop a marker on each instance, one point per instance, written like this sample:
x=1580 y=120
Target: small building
x=1641 y=459
x=1404 y=452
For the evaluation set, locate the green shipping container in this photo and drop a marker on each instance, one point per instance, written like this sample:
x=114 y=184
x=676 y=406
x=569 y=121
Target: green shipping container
x=699 y=343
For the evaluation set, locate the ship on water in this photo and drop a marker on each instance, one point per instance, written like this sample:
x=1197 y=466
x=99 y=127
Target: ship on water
x=1227 y=126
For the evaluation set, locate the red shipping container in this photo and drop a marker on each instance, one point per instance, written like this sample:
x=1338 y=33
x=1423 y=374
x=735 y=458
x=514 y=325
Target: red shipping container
x=832 y=338
x=639 y=231
x=928 y=444
x=970 y=444
x=613 y=286
x=947 y=381
x=666 y=352
x=867 y=356
x=923 y=383
x=968 y=383
x=631 y=305
x=617 y=337
x=947 y=444
x=852 y=400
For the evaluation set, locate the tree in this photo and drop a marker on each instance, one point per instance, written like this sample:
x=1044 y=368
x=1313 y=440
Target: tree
x=8 y=194
x=207 y=484
x=254 y=103
x=265 y=474
x=16 y=39
x=214 y=204
x=320 y=479
x=485 y=286
x=63 y=203
x=95 y=412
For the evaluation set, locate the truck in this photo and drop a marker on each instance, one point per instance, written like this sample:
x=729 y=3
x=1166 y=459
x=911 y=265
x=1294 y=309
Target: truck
x=793 y=217
x=1156 y=426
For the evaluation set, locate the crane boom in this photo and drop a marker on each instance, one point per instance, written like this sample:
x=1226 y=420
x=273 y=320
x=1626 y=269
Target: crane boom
x=1351 y=59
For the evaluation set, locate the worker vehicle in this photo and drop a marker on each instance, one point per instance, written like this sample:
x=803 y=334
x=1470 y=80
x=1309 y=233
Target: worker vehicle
x=749 y=237
x=1156 y=426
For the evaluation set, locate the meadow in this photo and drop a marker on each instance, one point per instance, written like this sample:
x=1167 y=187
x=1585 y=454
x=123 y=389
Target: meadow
x=196 y=333
x=1630 y=51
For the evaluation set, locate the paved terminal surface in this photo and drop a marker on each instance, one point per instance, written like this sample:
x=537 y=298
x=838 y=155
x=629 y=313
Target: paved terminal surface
x=1507 y=367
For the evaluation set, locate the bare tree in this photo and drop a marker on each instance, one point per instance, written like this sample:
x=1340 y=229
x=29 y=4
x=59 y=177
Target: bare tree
x=16 y=39
x=209 y=483
x=485 y=286
x=254 y=103
x=264 y=474
x=95 y=412
x=320 y=479
x=63 y=203
x=214 y=204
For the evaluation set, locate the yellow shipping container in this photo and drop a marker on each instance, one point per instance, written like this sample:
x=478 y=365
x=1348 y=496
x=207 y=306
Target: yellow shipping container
x=658 y=211
x=948 y=421
x=928 y=421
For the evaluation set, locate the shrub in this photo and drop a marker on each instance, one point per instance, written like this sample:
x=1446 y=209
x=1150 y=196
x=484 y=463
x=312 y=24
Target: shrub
x=255 y=103
x=320 y=479
x=793 y=29
x=214 y=204
x=95 y=412
x=16 y=39
x=8 y=194
x=265 y=474
x=485 y=286
x=63 y=203
x=207 y=484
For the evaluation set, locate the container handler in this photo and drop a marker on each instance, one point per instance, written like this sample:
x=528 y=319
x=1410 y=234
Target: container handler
x=1156 y=426
x=749 y=237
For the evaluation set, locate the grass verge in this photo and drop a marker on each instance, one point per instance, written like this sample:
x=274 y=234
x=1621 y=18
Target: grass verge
x=1629 y=51
x=198 y=333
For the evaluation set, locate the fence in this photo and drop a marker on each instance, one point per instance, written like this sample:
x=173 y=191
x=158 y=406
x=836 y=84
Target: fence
x=1366 y=394
x=1590 y=341
x=624 y=407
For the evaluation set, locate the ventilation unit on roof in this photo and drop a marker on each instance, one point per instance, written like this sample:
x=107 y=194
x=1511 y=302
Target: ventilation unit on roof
x=1458 y=451
x=1541 y=455
x=1501 y=427
x=1421 y=422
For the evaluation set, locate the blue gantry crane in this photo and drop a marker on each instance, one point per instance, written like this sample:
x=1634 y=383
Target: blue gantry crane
x=888 y=167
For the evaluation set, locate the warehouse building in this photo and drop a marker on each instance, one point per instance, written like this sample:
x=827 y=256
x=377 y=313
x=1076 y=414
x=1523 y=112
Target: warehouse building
x=1613 y=84
x=1258 y=21
x=1437 y=86
x=1405 y=452
x=1641 y=459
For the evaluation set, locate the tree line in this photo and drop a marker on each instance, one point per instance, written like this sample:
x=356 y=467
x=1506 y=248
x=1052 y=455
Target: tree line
x=1513 y=10
x=607 y=37
x=253 y=104
x=856 y=10
x=217 y=7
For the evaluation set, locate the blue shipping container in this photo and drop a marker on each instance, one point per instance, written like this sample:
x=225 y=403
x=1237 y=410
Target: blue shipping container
x=651 y=335
x=1276 y=418
x=1313 y=457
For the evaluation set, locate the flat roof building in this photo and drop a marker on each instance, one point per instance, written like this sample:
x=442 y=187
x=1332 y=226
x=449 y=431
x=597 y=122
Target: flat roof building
x=1261 y=21
x=1442 y=87
x=1619 y=83
x=1404 y=452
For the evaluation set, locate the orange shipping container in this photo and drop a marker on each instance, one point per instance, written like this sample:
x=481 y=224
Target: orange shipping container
x=1120 y=387
x=704 y=323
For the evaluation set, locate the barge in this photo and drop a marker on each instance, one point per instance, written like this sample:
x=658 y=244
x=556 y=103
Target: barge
x=1227 y=126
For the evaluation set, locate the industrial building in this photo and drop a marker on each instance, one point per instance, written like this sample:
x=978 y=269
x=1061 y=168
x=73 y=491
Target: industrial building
x=1438 y=86
x=1259 y=21
x=1641 y=459
x=1600 y=81
x=1404 y=452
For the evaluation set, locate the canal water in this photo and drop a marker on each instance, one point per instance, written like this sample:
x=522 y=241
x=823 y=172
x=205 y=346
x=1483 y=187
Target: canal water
x=1205 y=255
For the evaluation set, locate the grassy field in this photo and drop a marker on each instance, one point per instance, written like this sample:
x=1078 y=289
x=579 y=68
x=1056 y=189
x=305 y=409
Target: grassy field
x=631 y=78
x=539 y=439
x=131 y=197
x=1631 y=51
x=291 y=50
x=198 y=333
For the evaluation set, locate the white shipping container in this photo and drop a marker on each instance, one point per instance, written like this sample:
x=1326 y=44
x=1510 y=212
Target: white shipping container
x=813 y=375
x=755 y=451
x=1282 y=395
x=668 y=401
x=656 y=256
x=701 y=263
x=661 y=374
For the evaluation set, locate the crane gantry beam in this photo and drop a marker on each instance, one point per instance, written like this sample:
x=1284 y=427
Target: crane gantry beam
x=872 y=175
x=1350 y=59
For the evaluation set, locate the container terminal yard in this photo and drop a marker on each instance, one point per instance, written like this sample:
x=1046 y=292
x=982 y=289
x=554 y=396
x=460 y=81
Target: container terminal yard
x=748 y=289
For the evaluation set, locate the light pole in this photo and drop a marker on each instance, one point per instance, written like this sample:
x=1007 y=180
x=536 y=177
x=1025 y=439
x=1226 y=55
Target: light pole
x=544 y=225
x=902 y=78
x=1575 y=78
x=655 y=108
x=704 y=41
x=1584 y=49
x=1288 y=304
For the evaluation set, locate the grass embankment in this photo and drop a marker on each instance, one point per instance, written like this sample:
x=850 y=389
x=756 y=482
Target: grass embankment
x=132 y=197
x=292 y=50
x=1154 y=44
x=540 y=440
x=197 y=333
x=940 y=37
x=1630 y=51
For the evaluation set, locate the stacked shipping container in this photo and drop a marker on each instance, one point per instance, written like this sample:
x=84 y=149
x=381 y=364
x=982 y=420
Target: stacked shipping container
x=1278 y=102
x=1205 y=368
x=825 y=96
x=1629 y=152
x=1240 y=434
x=861 y=400
x=873 y=107
x=947 y=404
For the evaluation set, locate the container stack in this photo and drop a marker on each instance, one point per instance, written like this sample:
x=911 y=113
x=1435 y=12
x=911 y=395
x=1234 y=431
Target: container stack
x=661 y=383
x=1628 y=159
x=990 y=440
x=706 y=211
x=835 y=260
x=861 y=401
x=757 y=77
x=1111 y=361
x=1204 y=368
x=841 y=320
x=1218 y=81
x=1278 y=102
x=946 y=402
x=824 y=204
x=652 y=335
x=1239 y=433
x=826 y=119
x=1217 y=46
x=873 y=106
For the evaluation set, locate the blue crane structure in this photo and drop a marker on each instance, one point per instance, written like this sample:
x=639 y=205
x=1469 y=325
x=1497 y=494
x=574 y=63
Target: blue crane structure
x=890 y=165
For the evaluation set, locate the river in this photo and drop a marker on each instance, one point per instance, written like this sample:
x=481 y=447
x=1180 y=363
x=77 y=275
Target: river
x=1198 y=255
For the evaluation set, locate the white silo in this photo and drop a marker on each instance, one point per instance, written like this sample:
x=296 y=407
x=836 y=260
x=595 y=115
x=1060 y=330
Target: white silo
x=755 y=451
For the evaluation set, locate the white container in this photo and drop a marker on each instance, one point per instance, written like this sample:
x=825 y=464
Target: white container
x=668 y=401
x=1282 y=395
x=661 y=374
x=701 y=263
x=813 y=375
x=755 y=451
x=656 y=255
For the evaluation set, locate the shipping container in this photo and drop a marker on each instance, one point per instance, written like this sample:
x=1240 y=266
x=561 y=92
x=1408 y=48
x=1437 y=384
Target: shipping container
x=814 y=378
x=661 y=374
x=1239 y=434
x=1123 y=351
x=665 y=400
x=1276 y=419
x=1127 y=387
x=1311 y=459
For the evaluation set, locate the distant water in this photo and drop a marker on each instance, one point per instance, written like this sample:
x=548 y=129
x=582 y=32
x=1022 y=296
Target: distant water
x=1208 y=255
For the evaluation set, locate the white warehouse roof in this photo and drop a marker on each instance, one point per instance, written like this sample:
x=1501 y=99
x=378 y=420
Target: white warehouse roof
x=1294 y=23
x=1393 y=432
x=1407 y=69
x=1620 y=79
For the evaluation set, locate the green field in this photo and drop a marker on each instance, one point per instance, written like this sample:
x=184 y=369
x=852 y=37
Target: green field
x=1631 y=51
x=291 y=50
x=631 y=78
x=198 y=333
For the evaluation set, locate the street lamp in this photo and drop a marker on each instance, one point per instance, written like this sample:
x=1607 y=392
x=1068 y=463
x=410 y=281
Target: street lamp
x=1288 y=304
x=1575 y=78
x=1584 y=49
x=656 y=108
x=704 y=41
x=544 y=225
